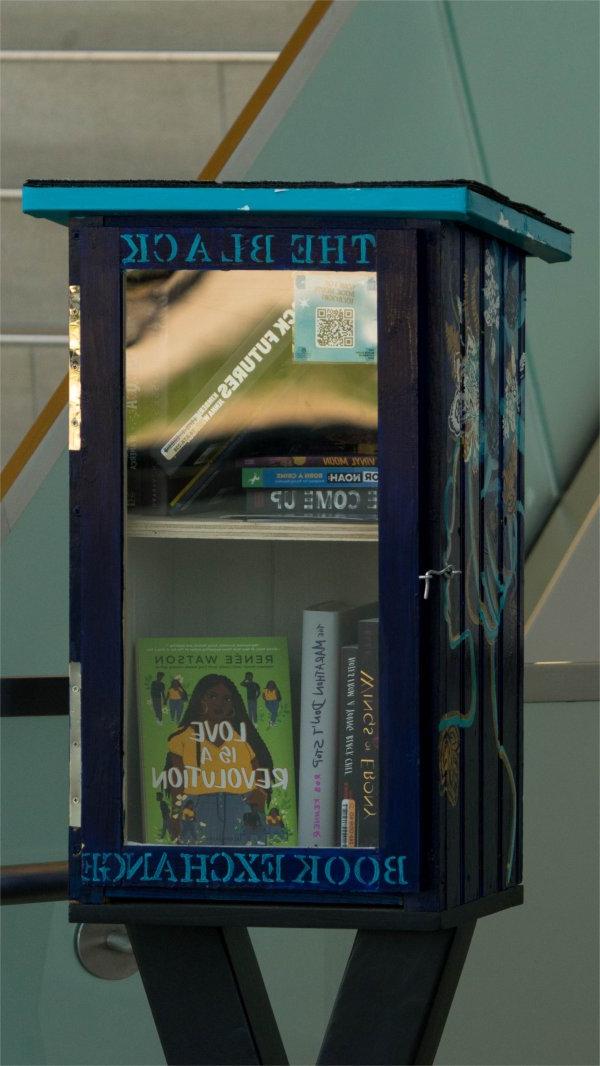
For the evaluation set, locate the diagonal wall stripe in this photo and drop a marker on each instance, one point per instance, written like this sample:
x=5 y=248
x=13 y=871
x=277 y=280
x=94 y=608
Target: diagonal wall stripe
x=33 y=438
x=265 y=90
x=209 y=172
x=475 y=130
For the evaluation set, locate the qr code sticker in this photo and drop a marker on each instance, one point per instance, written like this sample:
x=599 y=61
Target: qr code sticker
x=334 y=327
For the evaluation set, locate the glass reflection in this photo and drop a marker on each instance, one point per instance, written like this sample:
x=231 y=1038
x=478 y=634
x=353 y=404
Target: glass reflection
x=230 y=373
x=251 y=403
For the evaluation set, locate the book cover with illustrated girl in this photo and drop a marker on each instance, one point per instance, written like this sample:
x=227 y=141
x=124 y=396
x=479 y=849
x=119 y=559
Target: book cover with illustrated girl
x=216 y=741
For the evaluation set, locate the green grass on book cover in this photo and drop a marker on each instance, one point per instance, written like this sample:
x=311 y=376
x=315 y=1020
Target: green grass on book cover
x=215 y=723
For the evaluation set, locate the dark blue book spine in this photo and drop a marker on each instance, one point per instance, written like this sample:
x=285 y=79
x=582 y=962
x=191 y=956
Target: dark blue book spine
x=368 y=723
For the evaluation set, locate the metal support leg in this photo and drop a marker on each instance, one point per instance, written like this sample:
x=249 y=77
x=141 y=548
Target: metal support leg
x=395 y=997
x=207 y=996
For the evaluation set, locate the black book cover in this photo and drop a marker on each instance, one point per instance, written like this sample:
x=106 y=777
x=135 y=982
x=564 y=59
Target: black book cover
x=348 y=780
x=368 y=722
x=346 y=504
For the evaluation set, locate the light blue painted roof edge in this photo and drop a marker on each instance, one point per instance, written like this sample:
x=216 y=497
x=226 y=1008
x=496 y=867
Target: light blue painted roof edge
x=60 y=203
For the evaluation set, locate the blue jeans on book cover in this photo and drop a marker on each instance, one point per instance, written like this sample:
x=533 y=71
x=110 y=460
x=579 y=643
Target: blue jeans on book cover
x=226 y=818
x=272 y=707
x=176 y=709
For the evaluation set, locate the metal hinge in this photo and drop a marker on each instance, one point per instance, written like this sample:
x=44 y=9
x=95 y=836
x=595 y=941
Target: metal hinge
x=75 y=745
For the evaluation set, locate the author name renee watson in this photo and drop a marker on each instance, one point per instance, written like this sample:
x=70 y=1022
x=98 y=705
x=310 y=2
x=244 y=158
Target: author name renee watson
x=242 y=867
x=208 y=659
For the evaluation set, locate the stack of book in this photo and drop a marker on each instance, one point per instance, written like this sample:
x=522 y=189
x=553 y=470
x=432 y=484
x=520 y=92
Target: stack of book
x=311 y=487
x=220 y=475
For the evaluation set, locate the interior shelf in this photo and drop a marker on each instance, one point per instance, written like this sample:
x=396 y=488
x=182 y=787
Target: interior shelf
x=194 y=528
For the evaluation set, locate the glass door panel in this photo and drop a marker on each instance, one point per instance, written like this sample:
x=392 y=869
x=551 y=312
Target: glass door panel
x=251 y=566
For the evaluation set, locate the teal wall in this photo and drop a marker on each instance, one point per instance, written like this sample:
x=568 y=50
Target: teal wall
x=504 y=92
x=34 y=564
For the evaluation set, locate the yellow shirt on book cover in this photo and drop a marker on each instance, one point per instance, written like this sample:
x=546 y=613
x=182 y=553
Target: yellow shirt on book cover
x=236 y=753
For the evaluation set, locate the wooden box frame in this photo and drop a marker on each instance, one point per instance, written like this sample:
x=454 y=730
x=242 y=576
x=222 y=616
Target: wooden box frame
x=450 y=260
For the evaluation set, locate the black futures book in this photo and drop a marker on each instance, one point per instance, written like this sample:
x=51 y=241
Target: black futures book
x=348 y=777
x=368 y=723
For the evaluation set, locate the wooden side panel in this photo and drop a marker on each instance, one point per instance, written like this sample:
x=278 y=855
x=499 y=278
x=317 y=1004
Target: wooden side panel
x=398 y=385
x=470 y=581
x=521 y=574
x=74 y=489
x=511 y=563
x=474 y=389
x=490 y=578
x=433 y=473
x=101 y=518
x=448 y=591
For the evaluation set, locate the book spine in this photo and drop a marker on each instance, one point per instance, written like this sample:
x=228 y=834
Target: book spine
x=322 y=477
x=301 y=461
x=155 y=490
x=347 y=748
x=318 y=729
x=368 y=698
x=313 y=503
x=206 y=468
x=156 y=497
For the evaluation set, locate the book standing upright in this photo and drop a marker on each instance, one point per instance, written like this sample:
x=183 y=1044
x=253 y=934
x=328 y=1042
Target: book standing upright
x=326 y=627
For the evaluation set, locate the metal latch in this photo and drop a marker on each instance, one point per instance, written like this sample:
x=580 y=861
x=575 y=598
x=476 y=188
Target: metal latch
x=447 y=572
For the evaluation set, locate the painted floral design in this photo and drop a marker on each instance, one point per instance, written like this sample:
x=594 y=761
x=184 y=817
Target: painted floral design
x=511 y=397
x=463 y=418
x=512 y=299
x=509 y=486
x=449 y=764
x=475 y=447
x=491 y=292
x=491 y=301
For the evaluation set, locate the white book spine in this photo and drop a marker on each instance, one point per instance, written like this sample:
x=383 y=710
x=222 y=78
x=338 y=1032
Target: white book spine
x=319 y=728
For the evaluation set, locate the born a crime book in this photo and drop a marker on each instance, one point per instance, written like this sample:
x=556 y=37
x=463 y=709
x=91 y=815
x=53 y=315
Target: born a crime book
x=273 y=477
x=215 y=723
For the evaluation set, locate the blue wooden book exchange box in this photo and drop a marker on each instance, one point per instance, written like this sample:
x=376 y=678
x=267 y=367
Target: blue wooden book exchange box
x=297 y=406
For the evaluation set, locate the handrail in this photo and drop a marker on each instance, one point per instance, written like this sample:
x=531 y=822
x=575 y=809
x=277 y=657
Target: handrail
x=35 y=882
x=34 y=696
